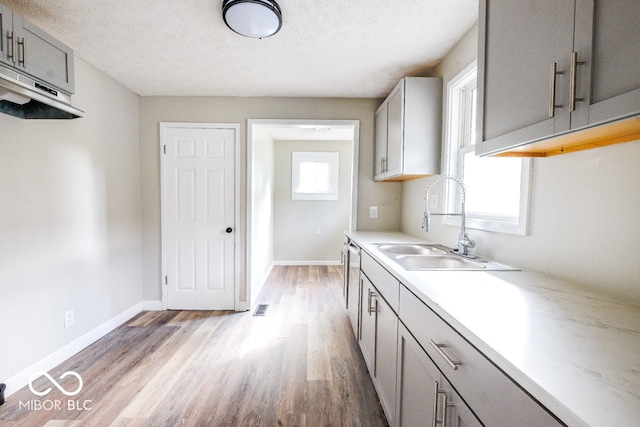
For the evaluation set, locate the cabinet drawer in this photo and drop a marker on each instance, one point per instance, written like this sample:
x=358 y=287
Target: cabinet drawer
x=494 y=397
x=388 y=286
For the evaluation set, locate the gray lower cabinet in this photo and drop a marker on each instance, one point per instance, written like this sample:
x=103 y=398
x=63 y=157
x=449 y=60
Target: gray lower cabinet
x=547 y=68
x=425 y=372
x=493 y=397
x=425 y=397
x=28 y=49
x=353 y=286
x=378 y=337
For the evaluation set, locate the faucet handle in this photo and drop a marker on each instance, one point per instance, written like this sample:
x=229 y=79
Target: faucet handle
x=426 y=222
x=467 y=242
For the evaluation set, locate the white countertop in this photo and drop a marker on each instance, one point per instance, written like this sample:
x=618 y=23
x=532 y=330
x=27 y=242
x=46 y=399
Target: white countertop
x=574 y=350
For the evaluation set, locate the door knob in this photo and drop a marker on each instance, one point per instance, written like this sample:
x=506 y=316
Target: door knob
x=229 y=230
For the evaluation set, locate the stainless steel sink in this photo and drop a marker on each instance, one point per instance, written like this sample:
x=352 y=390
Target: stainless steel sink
x=414 y=249
x=438 y=262
x=419 y=256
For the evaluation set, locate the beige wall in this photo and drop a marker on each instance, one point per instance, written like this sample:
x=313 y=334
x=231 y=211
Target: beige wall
x=154 y=110
x=295 y=221
x=584 y=212
x=262 y=199
x=69 y=221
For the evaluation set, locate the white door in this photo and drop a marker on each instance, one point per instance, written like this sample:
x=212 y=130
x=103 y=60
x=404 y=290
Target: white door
x=198 y=217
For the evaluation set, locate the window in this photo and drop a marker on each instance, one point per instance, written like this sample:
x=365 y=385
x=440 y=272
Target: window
x=497 y=187
x=314 y=175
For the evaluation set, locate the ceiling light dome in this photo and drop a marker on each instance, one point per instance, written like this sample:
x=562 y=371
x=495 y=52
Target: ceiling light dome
x=252 y=18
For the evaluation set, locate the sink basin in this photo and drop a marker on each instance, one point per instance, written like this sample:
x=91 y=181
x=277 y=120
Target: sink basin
x=423 y=256
x=438 y=262
x=413 y=249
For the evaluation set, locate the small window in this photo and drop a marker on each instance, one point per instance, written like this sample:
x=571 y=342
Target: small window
x=314 y=175
x=497 y=187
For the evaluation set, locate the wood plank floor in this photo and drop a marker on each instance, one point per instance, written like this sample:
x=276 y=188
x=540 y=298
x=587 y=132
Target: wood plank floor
x=296 y=366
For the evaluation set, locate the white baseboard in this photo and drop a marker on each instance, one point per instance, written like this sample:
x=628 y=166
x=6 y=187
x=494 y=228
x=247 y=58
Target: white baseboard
x=21 y=379
x=152 y=305
x=337 y=262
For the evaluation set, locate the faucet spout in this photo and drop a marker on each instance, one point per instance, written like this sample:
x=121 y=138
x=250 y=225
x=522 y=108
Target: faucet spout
x=464 y=242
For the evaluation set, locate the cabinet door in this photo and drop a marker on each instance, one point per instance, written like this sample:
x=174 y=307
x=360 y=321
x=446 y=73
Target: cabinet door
x=42 y=56
x=386 y=355
x=608 y=42
x=378 y=342
x=353 y=293
x=455 y=410
x=368 y=323
x=395 y=132
x=519 y=41
x=6 y=34
x=425 y=397
x=416 y=377
x=380 y=151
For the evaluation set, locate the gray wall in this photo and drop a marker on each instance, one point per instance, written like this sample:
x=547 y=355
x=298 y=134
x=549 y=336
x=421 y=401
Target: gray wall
x=69 y=221
x=584 y=212
x=295 y=221
x=154 y=110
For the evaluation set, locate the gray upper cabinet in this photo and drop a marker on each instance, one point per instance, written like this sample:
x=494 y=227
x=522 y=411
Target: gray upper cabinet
x=408 y=130
x=611 y=35
x=548 y=68
x=6 y=28
x=28 y=49
x=380 y=149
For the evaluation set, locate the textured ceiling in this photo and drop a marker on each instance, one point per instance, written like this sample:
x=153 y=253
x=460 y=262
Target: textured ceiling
x=326 y=48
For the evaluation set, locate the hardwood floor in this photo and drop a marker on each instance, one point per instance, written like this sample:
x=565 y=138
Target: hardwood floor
x=298 y=365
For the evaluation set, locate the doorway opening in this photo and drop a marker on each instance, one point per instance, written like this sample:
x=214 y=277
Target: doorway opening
x=282 y=229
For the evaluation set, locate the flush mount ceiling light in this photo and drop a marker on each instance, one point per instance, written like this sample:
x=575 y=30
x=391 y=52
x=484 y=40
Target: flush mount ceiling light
x=252 y=18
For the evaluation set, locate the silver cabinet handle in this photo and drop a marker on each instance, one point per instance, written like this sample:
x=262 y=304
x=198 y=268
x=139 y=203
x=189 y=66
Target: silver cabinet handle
x=445 y=405
x=552 y=96
x=572 y=83
x=438 y=347
x=436 y=392
x=10 y=45
x=371 y=297
x=22 y=42
x=382 y=164
x=434 y=420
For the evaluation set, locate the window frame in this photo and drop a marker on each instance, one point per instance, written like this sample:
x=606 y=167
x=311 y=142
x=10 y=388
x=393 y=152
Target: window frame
x=332 y=158
x=452 y=164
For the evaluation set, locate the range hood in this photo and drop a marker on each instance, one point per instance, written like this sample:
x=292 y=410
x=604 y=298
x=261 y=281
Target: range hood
x=26 y=98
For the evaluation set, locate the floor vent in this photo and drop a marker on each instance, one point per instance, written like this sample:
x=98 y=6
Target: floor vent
x=261 y=310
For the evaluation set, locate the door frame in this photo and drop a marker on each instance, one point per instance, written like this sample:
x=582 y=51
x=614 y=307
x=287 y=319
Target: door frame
x=255 y=284
x=238 y=305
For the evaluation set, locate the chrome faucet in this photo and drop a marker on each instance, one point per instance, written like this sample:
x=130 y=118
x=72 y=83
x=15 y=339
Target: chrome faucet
x=464 y=242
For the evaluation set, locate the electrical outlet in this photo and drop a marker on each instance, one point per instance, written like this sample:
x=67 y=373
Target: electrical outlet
x=318 y=230
x=68 y=319
x=373 y=212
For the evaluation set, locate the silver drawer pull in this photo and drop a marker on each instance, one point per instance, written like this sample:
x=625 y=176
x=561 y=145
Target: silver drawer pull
x=372 y=297
x=438 y=347
x=552 y=96
x=572 y=82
